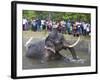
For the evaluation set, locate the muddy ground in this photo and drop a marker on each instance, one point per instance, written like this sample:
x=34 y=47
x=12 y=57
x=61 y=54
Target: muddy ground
x=82 y=50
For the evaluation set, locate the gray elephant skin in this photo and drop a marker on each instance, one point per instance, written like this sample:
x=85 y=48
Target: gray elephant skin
x=48 y=49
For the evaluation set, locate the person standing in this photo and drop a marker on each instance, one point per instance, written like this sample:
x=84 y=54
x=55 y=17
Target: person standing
x=38 y=24
x=84 y=27
x=33 y=25
x=24 y=23
x=74 y=28
x=63 y=26
x=42 y=24
x=68 y=26
x=88 y=29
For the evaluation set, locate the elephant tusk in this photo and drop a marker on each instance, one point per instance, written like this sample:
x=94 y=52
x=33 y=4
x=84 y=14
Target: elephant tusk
x=75 y=43
x=28 y=41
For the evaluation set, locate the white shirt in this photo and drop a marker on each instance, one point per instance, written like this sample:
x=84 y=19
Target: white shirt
x=55 y=26
x=85 y=25
x=87 y=29
x=42 y=22
x=24 y=21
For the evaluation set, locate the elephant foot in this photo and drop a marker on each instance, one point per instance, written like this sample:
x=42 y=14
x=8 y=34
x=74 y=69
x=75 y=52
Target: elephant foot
x=81 y=61
x=66 y=60
x=77 y=60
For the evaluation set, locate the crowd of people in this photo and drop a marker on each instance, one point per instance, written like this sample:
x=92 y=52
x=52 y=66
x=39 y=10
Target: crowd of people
x=71 y=27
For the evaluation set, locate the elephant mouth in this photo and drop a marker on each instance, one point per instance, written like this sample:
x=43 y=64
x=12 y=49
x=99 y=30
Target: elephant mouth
x=74 y=44
x=51 y=49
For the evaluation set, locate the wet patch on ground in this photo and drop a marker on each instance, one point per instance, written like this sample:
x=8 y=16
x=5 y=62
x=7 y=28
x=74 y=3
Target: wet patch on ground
x=82 y=51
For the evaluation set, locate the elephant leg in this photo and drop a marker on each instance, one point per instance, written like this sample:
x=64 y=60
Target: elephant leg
x=72 y=50
x=58 y=55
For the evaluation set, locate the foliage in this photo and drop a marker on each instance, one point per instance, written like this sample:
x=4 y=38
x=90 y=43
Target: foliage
x=30 y=14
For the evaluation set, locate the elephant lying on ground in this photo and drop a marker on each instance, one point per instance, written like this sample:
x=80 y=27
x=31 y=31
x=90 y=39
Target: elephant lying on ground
x=49 y=48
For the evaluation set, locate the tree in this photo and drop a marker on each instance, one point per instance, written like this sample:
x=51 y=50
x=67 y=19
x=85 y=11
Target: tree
x=29 y=14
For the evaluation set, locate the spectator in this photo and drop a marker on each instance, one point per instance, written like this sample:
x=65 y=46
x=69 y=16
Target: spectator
x=81 y=27
x=63 y=26
x=74 y=28
x=55 y=25
x=33 y=25
x=84 y=28
x=46 y=24
x=59 y=27
x=49 y=25
x=68 y=27
x=42 y=24
x=28 y=25
x=38 y=24
x=25 y=22
x=88 y=29
x=78 y=29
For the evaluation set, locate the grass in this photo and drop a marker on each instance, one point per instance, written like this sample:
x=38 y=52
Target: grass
x=42 y=34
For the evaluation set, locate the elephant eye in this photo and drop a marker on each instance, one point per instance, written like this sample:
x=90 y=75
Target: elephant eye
x=60 y=40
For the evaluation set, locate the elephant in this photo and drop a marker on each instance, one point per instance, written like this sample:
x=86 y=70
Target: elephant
x=49 y=48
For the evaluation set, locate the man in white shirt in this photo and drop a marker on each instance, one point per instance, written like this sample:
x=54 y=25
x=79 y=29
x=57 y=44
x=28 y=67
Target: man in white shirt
x=24 y=23
x=84 y=28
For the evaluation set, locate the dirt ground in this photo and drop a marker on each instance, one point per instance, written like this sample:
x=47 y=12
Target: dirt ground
x=81 y=50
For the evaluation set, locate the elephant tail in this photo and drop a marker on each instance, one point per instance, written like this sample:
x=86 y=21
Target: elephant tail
x=72 y=45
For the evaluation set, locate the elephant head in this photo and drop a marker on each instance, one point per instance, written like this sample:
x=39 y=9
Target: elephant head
x=56 y=42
